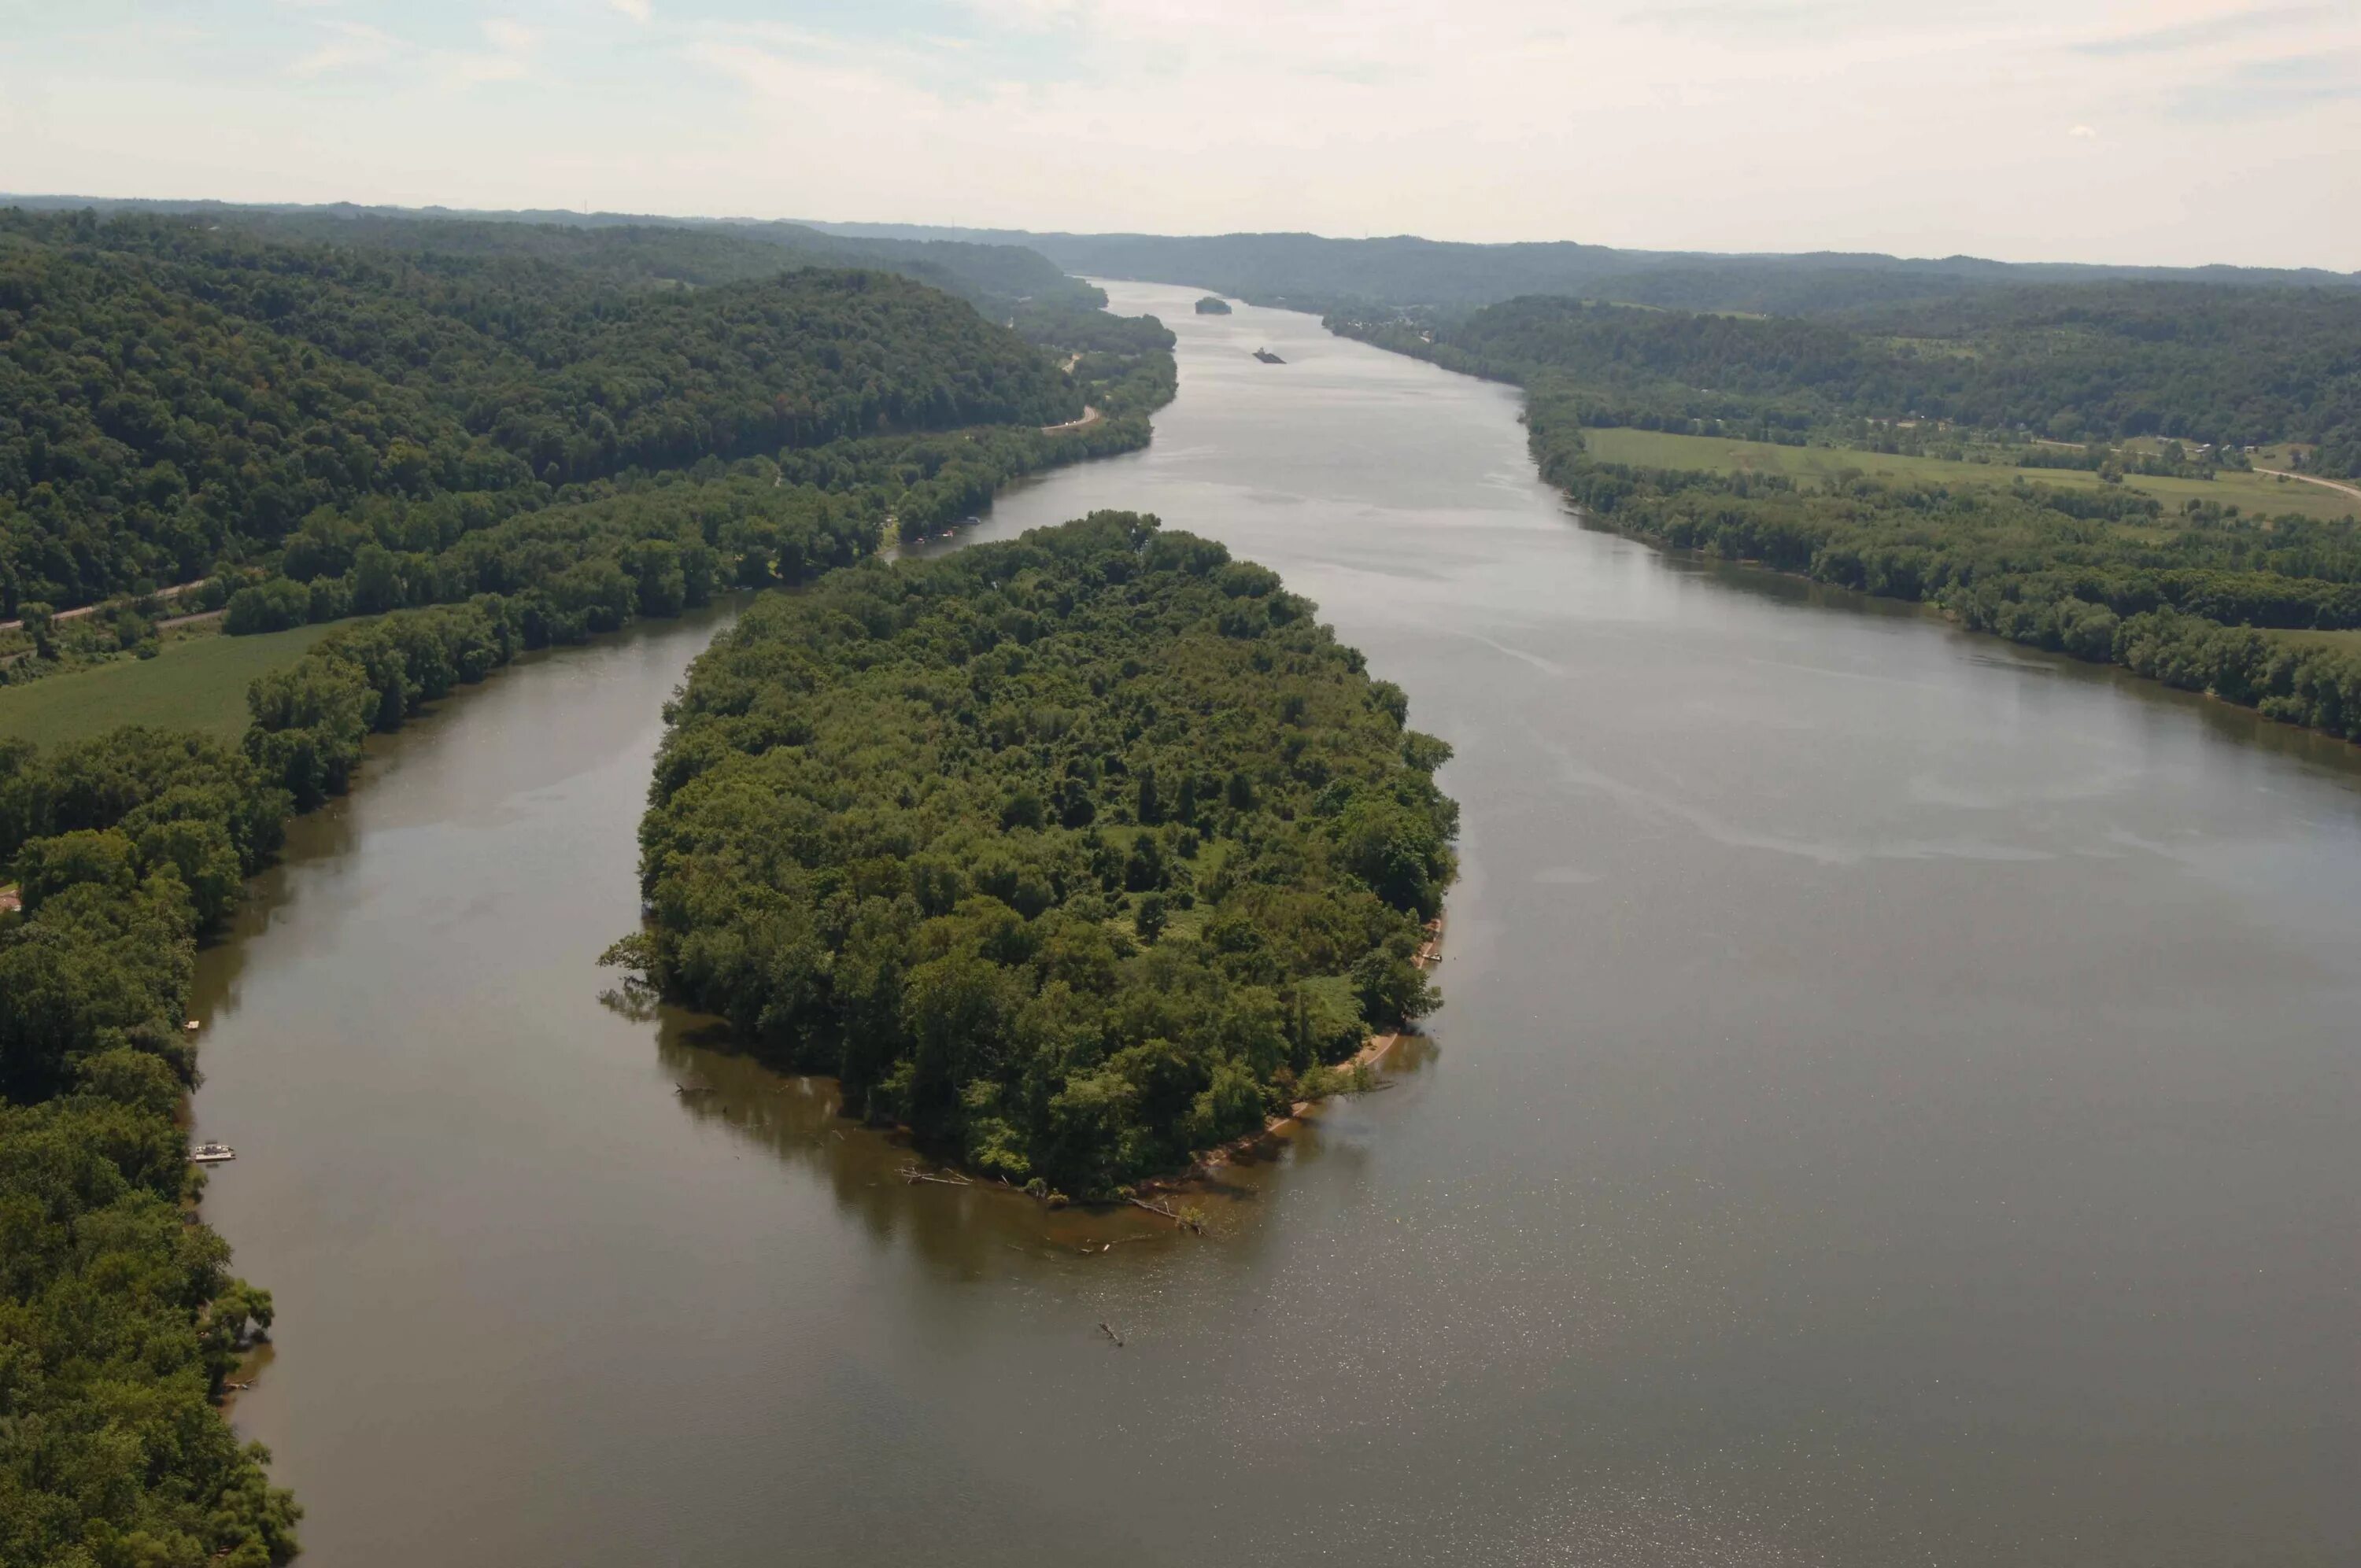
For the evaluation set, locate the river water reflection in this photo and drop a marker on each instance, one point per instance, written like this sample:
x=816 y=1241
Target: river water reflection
x=1894 y=1103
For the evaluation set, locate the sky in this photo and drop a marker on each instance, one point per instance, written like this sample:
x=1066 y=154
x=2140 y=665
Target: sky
x=2163 y=131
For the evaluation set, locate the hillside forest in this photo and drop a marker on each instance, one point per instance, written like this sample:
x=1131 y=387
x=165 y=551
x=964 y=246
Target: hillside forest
x=471 y=442
x=418 y=413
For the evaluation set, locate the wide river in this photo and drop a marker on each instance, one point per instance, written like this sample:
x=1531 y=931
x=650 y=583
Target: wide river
x=1895 y=1104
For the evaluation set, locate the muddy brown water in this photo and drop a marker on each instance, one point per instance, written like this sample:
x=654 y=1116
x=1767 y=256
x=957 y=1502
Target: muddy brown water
x=1895 y=1104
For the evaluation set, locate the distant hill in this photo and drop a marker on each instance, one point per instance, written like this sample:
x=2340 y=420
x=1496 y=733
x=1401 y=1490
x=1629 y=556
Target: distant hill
x=1000 y=267
x=622 y=249
x=1310 y=271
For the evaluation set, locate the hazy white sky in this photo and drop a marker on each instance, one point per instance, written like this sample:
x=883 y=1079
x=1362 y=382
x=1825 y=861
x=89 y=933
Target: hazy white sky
x=2116 y=130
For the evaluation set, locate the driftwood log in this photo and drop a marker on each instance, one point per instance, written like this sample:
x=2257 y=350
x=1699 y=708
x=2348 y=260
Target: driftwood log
x=911 y=1173
x=1178 y=1216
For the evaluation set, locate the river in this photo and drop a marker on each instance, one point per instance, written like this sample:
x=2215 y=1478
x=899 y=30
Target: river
x=1895 y=1103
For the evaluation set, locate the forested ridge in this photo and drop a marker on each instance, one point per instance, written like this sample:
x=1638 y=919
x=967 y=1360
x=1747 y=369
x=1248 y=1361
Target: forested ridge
x=1074 y=854
x=178 y=398
x=624 y=248
x=1395 y=272
x=2204 y=363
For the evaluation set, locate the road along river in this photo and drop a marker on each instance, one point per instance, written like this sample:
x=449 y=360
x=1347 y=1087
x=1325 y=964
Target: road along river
x=1895 y=1103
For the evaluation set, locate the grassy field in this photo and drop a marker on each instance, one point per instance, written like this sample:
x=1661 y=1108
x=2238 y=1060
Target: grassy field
x=2256 y=495
x=199 y=684
x=2347 y=640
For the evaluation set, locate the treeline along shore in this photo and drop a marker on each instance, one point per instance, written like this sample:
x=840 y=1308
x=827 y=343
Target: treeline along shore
x=462 y=441
x=1938 y=432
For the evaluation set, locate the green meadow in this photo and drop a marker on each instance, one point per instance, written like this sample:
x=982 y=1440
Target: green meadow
x=2256 y=495
x=198 y=683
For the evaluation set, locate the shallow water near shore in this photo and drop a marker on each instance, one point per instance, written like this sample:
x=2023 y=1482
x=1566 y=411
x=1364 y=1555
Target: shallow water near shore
x=1894 y=1103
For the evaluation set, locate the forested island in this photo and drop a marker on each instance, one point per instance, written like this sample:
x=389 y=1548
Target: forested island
x=473 y=440
x=1212 y=305
x=2261 y=607
x=1074 y=854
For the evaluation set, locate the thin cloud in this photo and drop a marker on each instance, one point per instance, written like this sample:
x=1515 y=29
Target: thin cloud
x=1749 y=16
x=637 y=10
x=349 y=45
x=2199 y=34
x=2082 y=133
x=509 y=58
x=2267 y=87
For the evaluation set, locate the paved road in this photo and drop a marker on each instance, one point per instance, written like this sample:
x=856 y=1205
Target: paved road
x=1090 y=416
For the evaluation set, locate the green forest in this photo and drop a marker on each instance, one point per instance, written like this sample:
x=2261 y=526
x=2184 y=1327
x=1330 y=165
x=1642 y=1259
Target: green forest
x=1404 y=272
x=1074 y=854
x=2095 y=362
x=472 y=439
x=244 y=401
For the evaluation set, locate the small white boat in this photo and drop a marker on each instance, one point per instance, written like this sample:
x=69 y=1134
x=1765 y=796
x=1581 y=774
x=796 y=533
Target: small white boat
x=211 y=1154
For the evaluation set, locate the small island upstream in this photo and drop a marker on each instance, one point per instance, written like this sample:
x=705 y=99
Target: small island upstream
x=1212 y=305
x=1267 y=357
x=1077 y=855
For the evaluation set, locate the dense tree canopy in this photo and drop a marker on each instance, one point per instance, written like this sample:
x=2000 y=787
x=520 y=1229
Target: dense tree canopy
x=1074 y=853
x=1318 y=272
x=659 y=251
x=2210 y=363
x=2186 y=598
x=118 y=1316
x=178 y=396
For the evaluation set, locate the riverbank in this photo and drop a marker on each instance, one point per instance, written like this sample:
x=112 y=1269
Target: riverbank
x=1352 y=1076
x=1368 y=1060
x=313 y=723
x=2205 y=601
x=1801 y=1117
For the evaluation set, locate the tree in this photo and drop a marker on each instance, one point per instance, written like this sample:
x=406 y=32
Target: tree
x=1149 y=917
x=40 y=625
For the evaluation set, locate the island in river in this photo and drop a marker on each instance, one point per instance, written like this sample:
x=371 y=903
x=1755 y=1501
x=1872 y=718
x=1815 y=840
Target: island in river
x=1267 y=357
x=1799 y=1174
x=1212 y=305
x=1144 y=854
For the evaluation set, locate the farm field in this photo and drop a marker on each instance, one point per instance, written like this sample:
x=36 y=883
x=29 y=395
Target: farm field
x=2253 y=493
x=199 y=684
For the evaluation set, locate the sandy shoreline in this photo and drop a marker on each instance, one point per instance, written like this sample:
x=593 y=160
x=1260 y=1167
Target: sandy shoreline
x=1205 y=1165
x=1369 y=1055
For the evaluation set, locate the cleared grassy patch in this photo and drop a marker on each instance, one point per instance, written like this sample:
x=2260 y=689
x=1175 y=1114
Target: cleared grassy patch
x=199 y=684
x=2349 y=641
x=2256 y=495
